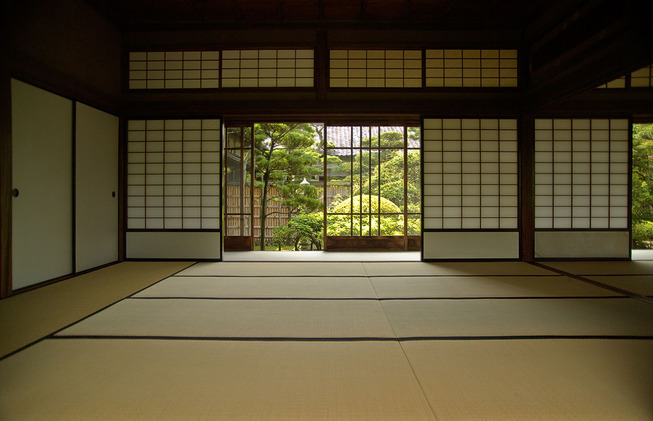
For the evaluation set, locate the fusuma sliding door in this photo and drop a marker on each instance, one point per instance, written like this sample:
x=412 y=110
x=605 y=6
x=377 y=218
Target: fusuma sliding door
x=42 y=172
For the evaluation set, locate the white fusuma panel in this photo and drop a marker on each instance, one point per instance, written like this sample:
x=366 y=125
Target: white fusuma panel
x=42 y=206
x=96 y=175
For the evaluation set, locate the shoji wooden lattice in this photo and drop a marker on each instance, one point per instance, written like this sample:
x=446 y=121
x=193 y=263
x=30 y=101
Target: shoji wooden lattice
x=267 y=68
x=581 y=173
x=376 y=68
x=174 y=69
x=173 y=174
x=471 y=68
x=470 y=174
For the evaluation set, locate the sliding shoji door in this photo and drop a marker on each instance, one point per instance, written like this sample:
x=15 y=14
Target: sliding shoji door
x=582 y=188
x=42 y=172
x=173 y=189
x=470 y=192
x=96 y=187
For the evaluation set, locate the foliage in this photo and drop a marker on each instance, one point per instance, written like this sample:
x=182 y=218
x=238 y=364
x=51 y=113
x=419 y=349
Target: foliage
x=285 y=153
x=642 y=234
x=642 y=185
x=390 y=176
x=367 y=215
x=302 y=229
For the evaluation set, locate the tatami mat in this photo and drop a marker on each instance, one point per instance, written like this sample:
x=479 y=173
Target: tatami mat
x=238 y=318
x=275 y=269
x=29 y=316
x=639 y=284
x=604 y=267
x=346 y=341
x=452 y=269
x=536 y=379
x=262 y=287
x=207 y=380
x=533 y=317
x=484 y=286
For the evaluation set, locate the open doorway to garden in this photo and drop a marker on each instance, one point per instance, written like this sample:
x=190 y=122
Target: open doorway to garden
x=315 y=186
x=642 y=189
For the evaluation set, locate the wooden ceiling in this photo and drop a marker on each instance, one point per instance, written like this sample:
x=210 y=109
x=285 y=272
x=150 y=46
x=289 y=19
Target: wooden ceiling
x=447 y=14
x=567 y=46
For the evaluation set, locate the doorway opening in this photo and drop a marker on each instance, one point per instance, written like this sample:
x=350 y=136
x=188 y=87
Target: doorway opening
x=642 y=192
x=315 y=186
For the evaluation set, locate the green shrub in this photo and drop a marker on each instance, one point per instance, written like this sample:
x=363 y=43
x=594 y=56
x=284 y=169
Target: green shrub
x=643 y=235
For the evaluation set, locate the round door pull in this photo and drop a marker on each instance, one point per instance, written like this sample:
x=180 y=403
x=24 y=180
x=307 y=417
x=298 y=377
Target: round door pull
x=113 y=194
x=15 y=192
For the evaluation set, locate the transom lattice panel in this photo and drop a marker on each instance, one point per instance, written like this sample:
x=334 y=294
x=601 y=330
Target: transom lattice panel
x=470 y=174
x=267 y=68
x=642 y=78
x=376 y=68
x=471 y=68
x=581 y=173
x=173 y=174
x=174 y=69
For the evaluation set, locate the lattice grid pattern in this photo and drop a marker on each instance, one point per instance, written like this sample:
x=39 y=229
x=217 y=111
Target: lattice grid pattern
x=471 y=68
x=618 y=83
x=173 y=174
x=174 y=69
x=376 y=68
x=581 y=173
x=470 y=174
x=642 y=78
x=267 y=68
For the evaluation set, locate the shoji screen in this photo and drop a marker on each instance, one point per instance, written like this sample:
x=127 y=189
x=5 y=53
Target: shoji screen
x=471 y=68
x=376 y=68
x=267 y=68
x=42 y=207
x=470 y=188
x=96 y=175
x=582 y=188
x=174 y=69
x=173 y=190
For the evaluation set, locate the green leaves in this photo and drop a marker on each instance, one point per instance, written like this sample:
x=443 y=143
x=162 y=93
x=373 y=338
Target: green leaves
x=642 y=185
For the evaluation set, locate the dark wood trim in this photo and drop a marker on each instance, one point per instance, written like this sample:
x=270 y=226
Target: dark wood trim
x=372 y=243
x=122 y=189
x=527 y=188
x=73 y=184
x=238 y=243
x=5 y=180
x=39 y=74
x=60 y=279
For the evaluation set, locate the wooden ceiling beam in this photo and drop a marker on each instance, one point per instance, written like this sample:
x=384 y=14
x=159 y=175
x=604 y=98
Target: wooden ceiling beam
x=361 y=15
x=237 y=10
x=587 y=50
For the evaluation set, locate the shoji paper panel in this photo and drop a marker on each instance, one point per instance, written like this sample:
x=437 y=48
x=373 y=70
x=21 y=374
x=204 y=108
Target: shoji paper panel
x=174 y=69
x=376 y=68
x=470 y=245
x=582 y=244
x=267 y=68
x=173 y=174
x=96 y=156
x=42 y=214
x=173 y=245
x=581 y=173
x=642 y=78
x=471 y=68
x=470 y=174
x=470 y=189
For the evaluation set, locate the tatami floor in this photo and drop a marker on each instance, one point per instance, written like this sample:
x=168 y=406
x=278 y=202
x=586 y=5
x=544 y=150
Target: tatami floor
x=382 y=339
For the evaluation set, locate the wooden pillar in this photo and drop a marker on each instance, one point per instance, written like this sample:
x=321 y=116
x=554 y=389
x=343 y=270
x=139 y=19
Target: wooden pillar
x=5 y=179
x=527 y=188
